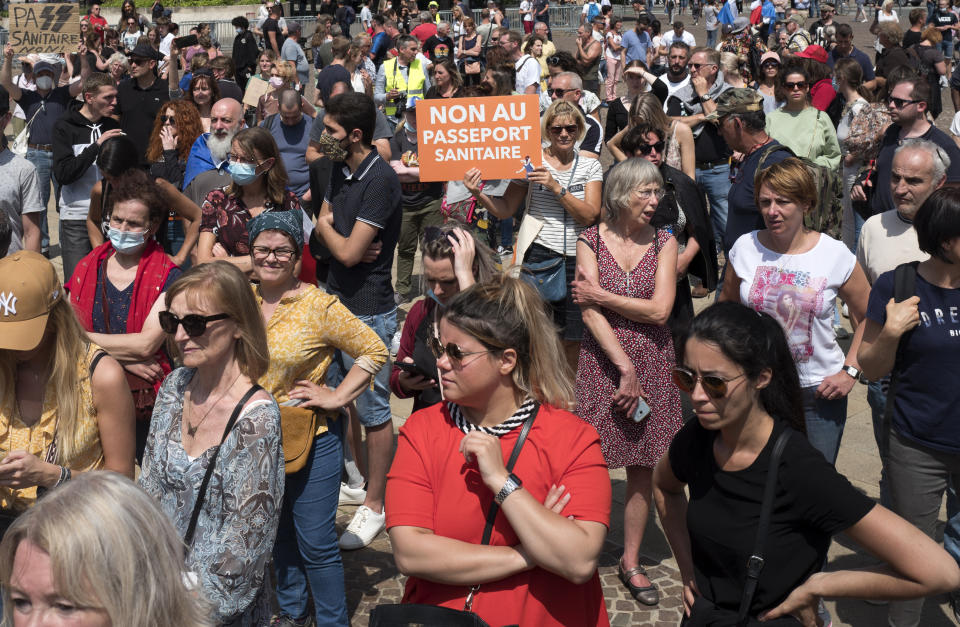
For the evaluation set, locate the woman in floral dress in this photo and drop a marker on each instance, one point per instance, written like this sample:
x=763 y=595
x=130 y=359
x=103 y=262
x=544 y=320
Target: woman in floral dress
x=627 y=354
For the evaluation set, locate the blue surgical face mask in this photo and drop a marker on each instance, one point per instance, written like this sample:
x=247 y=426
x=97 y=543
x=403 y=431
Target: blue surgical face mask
x=126 y=242
x=239 y=30
x=242 y=173
x=836 y=85
x=410 y=128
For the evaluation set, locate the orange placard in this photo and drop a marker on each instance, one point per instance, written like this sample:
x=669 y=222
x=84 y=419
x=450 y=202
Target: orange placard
x=500 y=135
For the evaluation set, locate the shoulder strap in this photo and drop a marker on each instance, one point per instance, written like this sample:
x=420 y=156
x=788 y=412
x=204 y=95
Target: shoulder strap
x=96 y=360
x=769 y=150
x=813 y=137
x=904 y=286
x=494 y=507
x=202 y=492
x=755 y=562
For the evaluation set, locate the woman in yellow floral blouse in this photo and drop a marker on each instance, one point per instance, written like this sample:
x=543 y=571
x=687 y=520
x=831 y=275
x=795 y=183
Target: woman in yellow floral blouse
x=304 y=327
x=64 y=404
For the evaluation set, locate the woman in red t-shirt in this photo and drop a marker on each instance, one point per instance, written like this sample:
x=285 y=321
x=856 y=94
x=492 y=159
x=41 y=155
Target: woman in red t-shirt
x=499 y=359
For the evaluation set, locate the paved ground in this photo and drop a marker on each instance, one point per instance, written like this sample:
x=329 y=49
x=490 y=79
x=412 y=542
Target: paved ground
x=372 y=578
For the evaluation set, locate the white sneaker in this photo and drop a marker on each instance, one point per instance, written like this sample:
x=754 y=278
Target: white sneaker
x=351 y=496
x=364 y=527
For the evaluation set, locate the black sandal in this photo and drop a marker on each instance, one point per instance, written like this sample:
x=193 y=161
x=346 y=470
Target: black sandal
x=647 y=595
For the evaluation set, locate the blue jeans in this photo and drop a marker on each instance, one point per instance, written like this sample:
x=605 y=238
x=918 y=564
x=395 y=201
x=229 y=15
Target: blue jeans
x=306 y=554
x=716 y=182
x=824 y=420
x=373 y=405
x=712 y=37
x=43 y=162
x=814 y=8
x=946 y=47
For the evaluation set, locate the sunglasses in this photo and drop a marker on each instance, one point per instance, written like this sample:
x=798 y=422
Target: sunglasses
x=167 y=118
x=553 y=60
x=571 y=129
x=714 y=386
x=697 y=66
x=797 y=85
x=451 y=350
x=900 y=103
x=558 y=93
x=646 y=149
x=194 y=325
x=138 y=61
x=767 y=64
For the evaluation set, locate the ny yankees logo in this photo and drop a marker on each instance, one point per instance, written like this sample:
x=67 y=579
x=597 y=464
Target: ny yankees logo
x=9 y=303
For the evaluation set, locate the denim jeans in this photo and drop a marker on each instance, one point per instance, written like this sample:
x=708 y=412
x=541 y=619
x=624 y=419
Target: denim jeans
x=43 y=162
x=415 y=221
x=175 y=237
x=74 y=245
x=306 y=554
x=825 y=420
x=814 y=8
x=712 y=37
x=716 y=182
x=919 y=477
x=372 y=405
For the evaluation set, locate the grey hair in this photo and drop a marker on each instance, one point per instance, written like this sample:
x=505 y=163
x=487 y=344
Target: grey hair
x=939 y=156
x=424 y=16
x=294 y=26
x=119 y=57
x=621 y=182
x=442 y=24
x=575 y=81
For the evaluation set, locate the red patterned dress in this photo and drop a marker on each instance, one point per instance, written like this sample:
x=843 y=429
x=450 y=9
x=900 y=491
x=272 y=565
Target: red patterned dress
x=650 y=348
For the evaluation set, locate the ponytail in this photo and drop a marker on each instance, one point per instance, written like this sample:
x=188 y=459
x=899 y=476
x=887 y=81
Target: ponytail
x=755 y=342
x=506 y=312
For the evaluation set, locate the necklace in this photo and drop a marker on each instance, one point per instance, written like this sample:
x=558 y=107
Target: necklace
x=191 y=428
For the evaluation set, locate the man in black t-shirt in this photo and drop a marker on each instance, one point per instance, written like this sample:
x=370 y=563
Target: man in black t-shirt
x=359 y=223
x=272 y=35
x=439 y=46
x=421 y=201
x=335 y=72
x=946 y=22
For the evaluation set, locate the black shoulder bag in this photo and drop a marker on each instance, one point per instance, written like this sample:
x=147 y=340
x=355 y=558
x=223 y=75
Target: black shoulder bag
x=704 y=613
x=409 y=614
x=202 y=492
x=904 y=286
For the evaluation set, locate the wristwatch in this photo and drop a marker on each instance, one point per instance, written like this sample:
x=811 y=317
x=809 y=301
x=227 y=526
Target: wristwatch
x=562 y=192
x=705 y=98
x=853 y=371
x=509 y=486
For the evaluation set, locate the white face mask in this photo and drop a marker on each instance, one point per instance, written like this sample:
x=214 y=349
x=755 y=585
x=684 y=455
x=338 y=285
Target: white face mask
x=44 y=82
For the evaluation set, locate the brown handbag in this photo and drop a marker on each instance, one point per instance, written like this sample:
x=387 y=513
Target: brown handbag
x=298 y=427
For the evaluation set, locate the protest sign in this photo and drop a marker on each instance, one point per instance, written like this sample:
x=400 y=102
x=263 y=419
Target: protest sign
x=255 y=88
x=44 y=27
x=500 y=135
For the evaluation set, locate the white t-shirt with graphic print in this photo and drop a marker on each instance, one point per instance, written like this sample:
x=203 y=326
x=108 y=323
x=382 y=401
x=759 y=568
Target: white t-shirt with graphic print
x=799 y=291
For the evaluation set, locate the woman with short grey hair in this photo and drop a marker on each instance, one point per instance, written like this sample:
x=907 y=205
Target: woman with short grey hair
x=625 y=286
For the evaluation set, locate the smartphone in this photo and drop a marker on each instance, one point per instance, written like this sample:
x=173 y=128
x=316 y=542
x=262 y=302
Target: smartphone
x=185 y=42
x=642 y=410
x=413 y=369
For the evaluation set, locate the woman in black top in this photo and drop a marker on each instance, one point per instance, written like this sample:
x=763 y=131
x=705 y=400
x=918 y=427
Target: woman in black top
x=742 y=381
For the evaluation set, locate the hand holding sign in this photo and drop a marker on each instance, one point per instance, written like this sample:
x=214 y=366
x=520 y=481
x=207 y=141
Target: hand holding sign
x=542 y=176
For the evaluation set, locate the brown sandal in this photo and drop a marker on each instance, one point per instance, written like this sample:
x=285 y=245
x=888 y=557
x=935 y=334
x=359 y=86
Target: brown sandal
x=647 y=595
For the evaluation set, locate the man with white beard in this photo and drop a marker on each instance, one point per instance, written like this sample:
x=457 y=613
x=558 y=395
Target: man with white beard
x=207 y=164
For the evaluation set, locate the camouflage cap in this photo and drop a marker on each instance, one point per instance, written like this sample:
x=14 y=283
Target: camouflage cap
x=737 y=100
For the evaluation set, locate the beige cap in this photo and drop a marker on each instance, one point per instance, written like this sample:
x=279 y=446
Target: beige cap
x=29 y=288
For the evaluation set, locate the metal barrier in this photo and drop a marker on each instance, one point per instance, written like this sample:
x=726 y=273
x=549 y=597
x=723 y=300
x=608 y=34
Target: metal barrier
x=564 y=17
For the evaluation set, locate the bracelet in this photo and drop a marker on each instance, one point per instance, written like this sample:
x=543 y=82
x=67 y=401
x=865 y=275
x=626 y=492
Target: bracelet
x=65 y=475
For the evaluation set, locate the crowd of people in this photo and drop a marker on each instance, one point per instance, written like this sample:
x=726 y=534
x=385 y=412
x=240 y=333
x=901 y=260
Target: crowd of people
x=212 y=376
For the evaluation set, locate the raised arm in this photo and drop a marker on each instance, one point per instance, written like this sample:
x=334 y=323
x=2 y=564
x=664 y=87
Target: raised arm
x=500 y=206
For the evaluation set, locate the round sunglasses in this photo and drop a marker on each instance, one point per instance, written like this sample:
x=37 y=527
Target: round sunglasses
x=714 y=386
x=194 y=325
